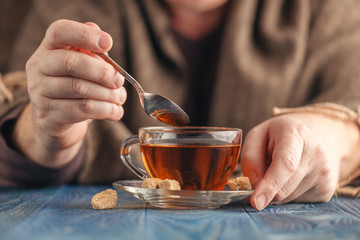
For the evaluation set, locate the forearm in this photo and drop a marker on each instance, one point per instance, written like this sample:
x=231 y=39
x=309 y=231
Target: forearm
x=16 y=170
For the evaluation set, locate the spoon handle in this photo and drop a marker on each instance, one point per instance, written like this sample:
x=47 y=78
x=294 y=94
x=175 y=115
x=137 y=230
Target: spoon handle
x=127 y=76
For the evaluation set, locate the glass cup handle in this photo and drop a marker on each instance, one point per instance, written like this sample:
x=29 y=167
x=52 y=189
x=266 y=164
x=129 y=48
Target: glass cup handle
x=128 y=161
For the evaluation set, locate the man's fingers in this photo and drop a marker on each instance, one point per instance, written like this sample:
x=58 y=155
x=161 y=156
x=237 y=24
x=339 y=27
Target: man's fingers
x=62 y=62
x=69 y=111
x=66 y=33
x=287 y=152
x=72 y=88
x=294 y=192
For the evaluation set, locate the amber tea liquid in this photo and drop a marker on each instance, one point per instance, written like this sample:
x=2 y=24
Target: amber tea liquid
x=194 y=166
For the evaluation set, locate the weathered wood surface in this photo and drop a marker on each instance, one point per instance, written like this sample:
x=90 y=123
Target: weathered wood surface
x=65 y=213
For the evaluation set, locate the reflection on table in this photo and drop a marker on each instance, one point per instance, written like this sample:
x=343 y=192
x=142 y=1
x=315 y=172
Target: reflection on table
x=65 y=212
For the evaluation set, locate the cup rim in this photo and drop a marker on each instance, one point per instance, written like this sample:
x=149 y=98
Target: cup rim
x=188 y=129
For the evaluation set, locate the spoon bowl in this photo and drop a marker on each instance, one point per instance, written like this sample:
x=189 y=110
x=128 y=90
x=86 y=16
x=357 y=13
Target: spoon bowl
x=156 y=106
x=164 y=110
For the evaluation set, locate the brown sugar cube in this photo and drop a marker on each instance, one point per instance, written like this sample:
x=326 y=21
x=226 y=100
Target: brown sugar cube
x=151 y=183
x=169 y=184
x=104 y=200
x=240 y=183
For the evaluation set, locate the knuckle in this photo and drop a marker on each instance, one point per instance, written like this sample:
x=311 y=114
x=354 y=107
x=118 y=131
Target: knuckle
x=37 y=86
x=302 y=130
x=30 y=64
x=33 y=67
x=289 y=161
x=123 y=95
x=86 y=106
x=41 y=106
x=80 y=87
x=116 y=112
x=273 y=186
x=84 y=36
x=320 y=153
x=325 y=172
x=104 y=73
x=69 y=62
x=52 y=33
x=118 y=95
x=328 y=185
x=114 y=96
x=325 y=192
x=280 y=195
x=325 y=169
x=32 y=87
x=113 y=109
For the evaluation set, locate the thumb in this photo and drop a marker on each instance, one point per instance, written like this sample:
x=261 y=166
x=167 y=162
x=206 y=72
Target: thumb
x=67 y=33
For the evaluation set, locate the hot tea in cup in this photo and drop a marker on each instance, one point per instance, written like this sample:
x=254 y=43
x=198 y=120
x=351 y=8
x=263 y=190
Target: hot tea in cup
x=199 y=158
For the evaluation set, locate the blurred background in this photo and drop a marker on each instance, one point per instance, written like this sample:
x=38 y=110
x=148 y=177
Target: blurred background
x=12 y=14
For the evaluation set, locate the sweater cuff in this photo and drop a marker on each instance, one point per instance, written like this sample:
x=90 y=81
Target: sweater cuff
x=18 y=171
x=331 y=109
x=351 y=185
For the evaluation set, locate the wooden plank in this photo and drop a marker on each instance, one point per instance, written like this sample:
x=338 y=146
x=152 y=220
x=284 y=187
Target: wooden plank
x=65 y=213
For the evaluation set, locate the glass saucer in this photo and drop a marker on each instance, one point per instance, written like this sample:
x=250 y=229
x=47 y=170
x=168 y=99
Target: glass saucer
x=184 y=199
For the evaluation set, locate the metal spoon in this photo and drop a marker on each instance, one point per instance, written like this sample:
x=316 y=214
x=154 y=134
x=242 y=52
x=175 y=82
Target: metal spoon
x=156 y=106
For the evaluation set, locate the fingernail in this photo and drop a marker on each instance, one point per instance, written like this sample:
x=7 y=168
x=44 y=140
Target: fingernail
x=103 y=42
x=260 y=202
x=118 y=82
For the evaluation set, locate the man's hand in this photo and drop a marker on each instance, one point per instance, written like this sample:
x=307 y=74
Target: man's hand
x=299 y=157
x=68 y=86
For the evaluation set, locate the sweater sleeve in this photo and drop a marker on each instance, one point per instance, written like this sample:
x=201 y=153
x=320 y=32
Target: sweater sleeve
x=18 y=171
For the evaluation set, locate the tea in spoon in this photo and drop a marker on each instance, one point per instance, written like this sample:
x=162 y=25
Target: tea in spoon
x=156 y=106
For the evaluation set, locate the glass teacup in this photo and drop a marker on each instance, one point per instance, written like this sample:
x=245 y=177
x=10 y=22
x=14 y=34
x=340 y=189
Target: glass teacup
x=199 y=158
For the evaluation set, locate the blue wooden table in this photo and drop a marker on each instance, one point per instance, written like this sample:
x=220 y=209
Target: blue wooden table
x=65 y=212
